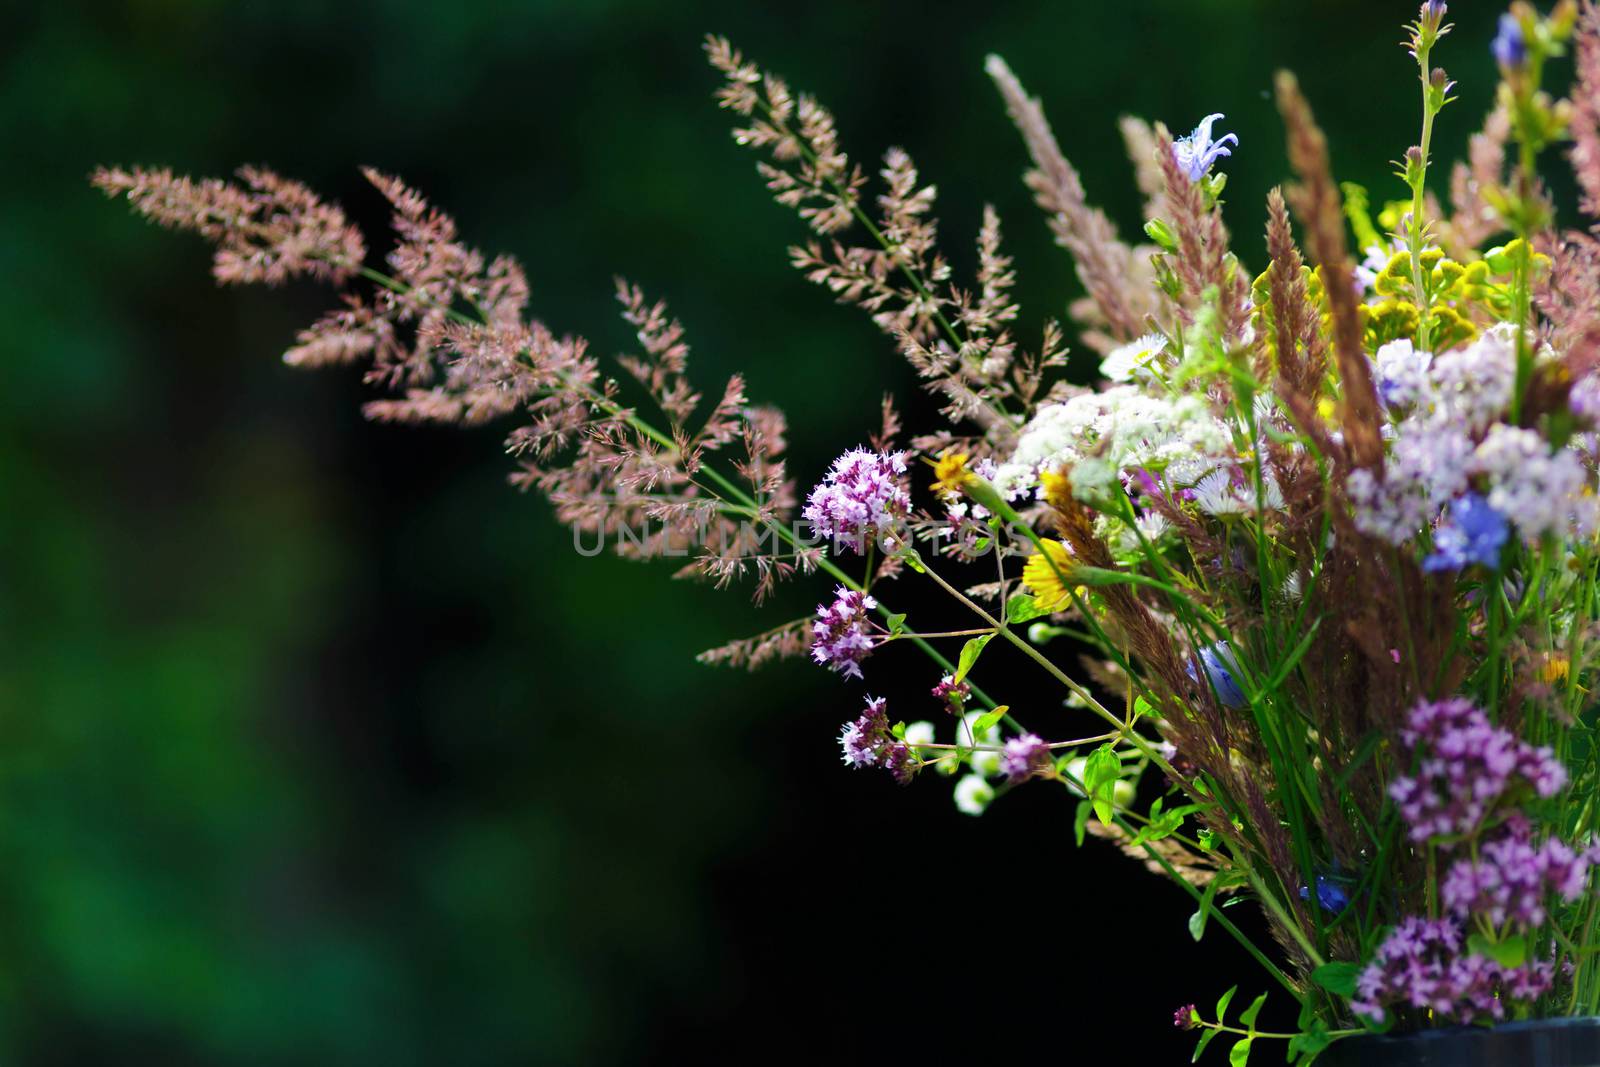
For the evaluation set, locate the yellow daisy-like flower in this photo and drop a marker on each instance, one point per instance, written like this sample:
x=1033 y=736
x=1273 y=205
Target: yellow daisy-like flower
x=1555 y=669
x=1057 y=488
x=950 y=474
x=1042 y=579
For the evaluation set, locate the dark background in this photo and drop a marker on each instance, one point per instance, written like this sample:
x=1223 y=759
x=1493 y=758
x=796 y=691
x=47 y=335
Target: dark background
x=319 y=745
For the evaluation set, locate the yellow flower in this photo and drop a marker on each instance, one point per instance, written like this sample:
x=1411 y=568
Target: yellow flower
x=1555 y=670
x=950 y=474
x=1043 y=580
x=1057 y=489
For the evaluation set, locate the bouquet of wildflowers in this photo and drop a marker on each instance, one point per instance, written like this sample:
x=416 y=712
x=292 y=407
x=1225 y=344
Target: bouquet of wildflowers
x=1316 y=563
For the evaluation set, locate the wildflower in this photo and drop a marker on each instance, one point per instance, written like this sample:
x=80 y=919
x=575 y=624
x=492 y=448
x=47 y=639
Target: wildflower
x=841 y=633
x=1196 y=153
x=1402 y=373
x=1473 y=385
x=863 y=496
x=1331 y=896
x=1540 y=491
x=1221 y=665
x=1510 y=47
x=1186 y=1017
x=856 y=741
x=1474 y=534
x=1045 y=572
x=1510 y=879
x=868 y=742
x=1555 y=669
x=1584 y=399
x=1134 y=359
x=1097 y=438
x=950 y=473
x=918 y=735
x=1222 y=493
x=1469 y=765
x=1055 y=489
x=1023 y=756
x=1421 y=964
x=951 y=693
x=973 y=794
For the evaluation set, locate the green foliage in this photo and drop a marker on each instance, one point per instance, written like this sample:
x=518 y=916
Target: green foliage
x=969 y=655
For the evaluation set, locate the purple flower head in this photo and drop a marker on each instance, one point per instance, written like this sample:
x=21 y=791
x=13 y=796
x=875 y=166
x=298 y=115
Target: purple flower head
x=1023 y=756
x=1466 y=766
x=1421 y=964
x=841 y=634
x=1510 y=47
x=1512 y=878
x=1473 y=534
x=951 y=693
x=862 y=497
x=1183 y=1018
x=1221 y=667
x=868 y=742
x=1196 y=153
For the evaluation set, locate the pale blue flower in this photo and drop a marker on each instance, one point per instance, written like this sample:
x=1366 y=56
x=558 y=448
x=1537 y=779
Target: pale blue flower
x=1510 y=48
x=1196 y=153
x=1474 y=533
x=1221 y=665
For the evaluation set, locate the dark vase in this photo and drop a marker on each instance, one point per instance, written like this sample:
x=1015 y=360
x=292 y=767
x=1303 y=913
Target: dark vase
x=1540 y=1043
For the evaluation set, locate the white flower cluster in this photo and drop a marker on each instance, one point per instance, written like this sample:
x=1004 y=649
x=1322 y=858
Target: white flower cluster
x=1448 y=436
x=1102 y=435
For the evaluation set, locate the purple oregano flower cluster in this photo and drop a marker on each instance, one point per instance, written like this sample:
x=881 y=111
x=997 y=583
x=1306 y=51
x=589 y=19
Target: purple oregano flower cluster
x=869 y=742
x=841 y=634
x=1501 y=878
x=862 y=497
x=1466 y=765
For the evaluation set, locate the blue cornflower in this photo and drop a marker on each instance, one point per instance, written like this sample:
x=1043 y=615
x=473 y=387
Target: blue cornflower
x=1196 y=153
x=1331 y=896
x=1474 y=533
x=1510 y=48
x=1220 y=666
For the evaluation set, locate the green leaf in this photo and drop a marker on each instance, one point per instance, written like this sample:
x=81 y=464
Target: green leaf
x=1304 y=1046
x=1239 y=1054
x=986 y=722
x=898 y=730
x=915 y=563
x=1512 y=952
x=1080 y=821
x=897 y=623
x=1248 y=1016
x=1338 y=978
x=1197 y=921
x=1024 y=608
x=969 y=655
x=1100 y=776
x=1142 y=707
x=1205 y=1039
x=1294 y=657
x=1223 y=1002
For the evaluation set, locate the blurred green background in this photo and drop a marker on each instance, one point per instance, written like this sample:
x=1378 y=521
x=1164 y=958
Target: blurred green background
x=319 y=745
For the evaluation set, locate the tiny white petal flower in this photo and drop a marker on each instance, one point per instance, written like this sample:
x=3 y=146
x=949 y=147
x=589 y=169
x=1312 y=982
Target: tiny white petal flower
x=973 y=795
x=1133 y=359
x=918 y=734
